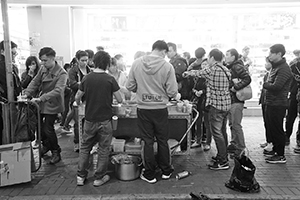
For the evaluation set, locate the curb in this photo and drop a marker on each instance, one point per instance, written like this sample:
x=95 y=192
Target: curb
x=153 y=197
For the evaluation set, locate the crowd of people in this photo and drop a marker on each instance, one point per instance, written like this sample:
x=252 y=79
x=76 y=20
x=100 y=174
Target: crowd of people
x=209 y=82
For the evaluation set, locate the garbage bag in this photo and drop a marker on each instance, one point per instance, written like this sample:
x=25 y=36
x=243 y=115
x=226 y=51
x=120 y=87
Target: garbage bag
x=26 y=123
x=242 y=177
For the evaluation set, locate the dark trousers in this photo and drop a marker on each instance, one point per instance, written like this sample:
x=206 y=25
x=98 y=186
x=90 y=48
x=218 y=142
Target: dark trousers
x=267 y=132
x=1 y=125
x=49 y=138
x=291 y=116
x=154 y=124
x=274 y=122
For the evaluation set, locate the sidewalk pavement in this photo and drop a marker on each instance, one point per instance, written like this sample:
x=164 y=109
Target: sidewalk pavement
x=277 y=181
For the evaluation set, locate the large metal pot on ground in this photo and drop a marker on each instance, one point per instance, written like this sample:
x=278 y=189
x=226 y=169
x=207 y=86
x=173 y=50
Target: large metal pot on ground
x=127 y=168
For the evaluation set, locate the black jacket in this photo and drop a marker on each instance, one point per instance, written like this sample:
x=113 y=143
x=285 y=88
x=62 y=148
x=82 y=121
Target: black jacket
x=278 y=84
x=238 y=71
x=16 y=79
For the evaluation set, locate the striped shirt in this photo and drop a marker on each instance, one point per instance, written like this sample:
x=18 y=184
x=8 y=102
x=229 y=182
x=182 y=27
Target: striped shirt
x=218 y=94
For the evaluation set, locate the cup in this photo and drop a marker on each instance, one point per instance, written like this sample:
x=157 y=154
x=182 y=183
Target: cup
x=127 y=112
x=179 y=106
x=189 y=108
x=114 y=122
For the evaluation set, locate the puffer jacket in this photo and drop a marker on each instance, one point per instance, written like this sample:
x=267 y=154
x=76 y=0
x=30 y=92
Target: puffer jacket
x=278 y=84
x=238 y=71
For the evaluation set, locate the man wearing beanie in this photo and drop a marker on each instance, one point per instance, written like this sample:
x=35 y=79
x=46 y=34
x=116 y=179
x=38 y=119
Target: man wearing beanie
x=277 y=88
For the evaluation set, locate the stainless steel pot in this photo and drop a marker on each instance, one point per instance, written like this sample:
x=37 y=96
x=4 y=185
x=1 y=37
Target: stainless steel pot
x=127 y=172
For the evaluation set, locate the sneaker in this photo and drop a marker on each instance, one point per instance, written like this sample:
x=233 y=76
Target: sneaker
x=218 y=165
x=297 y=149
x=166 y=176
x=206 y=147
x=214 y=158
x=147 y=180
x=80 y=181
x=76 y=147
x=263 y=145
x=231 y=148
x=65 y=129
x=269 y=153
x=195 y=145
x=276 y=159
x=269 y=147
x=100 y=182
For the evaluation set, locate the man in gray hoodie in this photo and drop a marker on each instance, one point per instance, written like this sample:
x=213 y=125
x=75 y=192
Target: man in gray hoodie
x=154 y=81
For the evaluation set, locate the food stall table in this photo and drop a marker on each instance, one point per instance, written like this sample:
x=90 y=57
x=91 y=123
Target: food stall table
x=179 y=122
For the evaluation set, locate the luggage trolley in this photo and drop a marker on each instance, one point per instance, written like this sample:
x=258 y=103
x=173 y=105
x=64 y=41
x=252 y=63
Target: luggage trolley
x=21 y=121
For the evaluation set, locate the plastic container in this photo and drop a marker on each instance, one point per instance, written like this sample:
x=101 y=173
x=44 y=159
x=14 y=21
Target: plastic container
x=133 y=147
x=118 y=145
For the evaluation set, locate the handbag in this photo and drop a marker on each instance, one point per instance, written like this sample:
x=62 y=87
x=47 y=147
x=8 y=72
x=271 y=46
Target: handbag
x=242 y=178
x=244 y=94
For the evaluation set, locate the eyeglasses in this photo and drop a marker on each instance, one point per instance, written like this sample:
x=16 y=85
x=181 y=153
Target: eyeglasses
x=14 y=53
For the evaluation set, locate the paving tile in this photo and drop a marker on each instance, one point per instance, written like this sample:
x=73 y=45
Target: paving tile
x=277 y=181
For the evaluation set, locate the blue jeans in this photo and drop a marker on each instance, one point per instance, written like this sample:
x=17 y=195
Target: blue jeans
x=235 y=123
x=72 y=115
x=207 y=128
x=218 y=119
x=100 y=132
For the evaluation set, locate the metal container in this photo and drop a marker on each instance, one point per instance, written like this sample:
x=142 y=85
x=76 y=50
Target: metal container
x=128 y=172
x=182 y=175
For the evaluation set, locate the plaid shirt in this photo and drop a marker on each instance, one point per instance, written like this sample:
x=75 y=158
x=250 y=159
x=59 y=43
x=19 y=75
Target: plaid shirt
x=218 y=94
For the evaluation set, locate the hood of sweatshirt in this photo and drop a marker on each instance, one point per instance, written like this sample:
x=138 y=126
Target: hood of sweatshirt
x=151 y=64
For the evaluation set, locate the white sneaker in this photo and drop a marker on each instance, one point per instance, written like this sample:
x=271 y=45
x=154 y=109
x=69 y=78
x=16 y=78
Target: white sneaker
x=269 y=147
x=80 y=181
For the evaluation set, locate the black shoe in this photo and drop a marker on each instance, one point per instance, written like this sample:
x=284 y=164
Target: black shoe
x=269 y=153
x=276 y=160
x=55 y=157
x=44 y=150
x=297 y=149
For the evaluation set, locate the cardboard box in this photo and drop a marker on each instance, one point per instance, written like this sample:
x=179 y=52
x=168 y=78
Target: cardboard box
x=15 y=163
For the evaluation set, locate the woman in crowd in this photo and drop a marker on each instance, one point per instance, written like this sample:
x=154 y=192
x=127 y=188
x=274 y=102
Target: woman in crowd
x=32 y=67
x=120 y=77
x=76 y=74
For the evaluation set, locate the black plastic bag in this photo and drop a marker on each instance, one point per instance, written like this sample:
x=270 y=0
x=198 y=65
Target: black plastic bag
x=26 y=123
x=242 y=178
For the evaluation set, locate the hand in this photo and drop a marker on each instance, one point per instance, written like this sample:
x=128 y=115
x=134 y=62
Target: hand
x=178 y=96
x=36 y=100
x=185 y=74
x=31 y=73
x=232 y=89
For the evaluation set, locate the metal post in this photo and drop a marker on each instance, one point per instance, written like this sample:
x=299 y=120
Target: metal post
x=9 y=76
